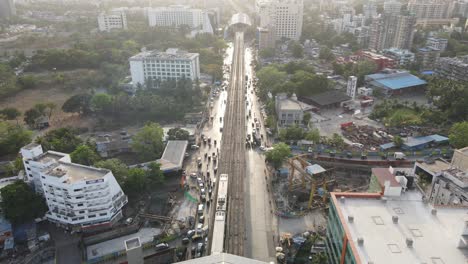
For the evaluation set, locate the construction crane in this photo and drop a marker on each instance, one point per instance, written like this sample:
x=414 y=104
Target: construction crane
x=299 y=163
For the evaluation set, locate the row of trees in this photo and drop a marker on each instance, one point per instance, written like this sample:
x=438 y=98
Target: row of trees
x=294 y=77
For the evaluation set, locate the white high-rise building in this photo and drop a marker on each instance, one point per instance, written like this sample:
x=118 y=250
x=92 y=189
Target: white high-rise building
x=392 y=7
x=156 y=65
x=175 y=16
x=78 y=197
x=285 y=16
x=113 y=20
x=351 y=88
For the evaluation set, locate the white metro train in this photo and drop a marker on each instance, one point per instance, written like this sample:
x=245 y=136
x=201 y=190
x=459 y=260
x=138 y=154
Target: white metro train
x=217 y=243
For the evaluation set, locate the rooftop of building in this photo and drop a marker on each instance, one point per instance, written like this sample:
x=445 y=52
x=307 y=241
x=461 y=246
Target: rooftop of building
x=30 y=146
x=395 y=80
x=328 y=98
x=428 y=49
x=383 y=175
x=173 y=155
x=222 y=258
x=118 y=244
x=49 y=156
x=76 y=172
x=435 y=234
x=169 y=54
x=132 y=243
x=398 y=51
x=464 y=150
x=434 y=165
x=458 y=174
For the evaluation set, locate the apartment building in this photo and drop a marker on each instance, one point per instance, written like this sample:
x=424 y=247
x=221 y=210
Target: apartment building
x=431 y=9
x=392 y=7
x=453 y=68
x=289 y=111
x=78 y=197
x=437 y=43
x=266 y=38
x=171 y=64
x=7 y=9
x=113 y=20
x=427 y=58
x=381 y=61
x=401 y=57
x=392 y=31
x=285 y=16
x=175 y=16
x=369 y=9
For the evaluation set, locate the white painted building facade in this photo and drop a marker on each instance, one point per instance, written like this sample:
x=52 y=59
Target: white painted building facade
x=78 y=196
x=172 y=64
x=113 y=20
x=285 y=16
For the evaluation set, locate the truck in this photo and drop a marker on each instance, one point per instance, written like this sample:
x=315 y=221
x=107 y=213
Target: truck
x=345 y=125
x=399 y=155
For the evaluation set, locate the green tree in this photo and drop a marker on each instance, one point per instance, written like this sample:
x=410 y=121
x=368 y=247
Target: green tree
x=27 y=82
x=337 y=141
x=313 y=135
x=296 y=49
x=267 y=53
x=10 y=113
x=136 y=183
x=458 y=136
x=292 y=133
x=270 y=79
x=79 y=103
x=118 y=168
x=306 y=118
x=50 y=108
x=178 y=134
x=21 y=204
x=12 y=138
x=154 y=174
x=101 y=103
x=31 y=115
x=85 y=155
x=148 y=142
x=398 y=141
x=61 y=139
x=326 y=54
x=278 y=154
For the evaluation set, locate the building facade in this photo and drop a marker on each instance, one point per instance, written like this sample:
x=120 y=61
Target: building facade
x=430 y=9
x=78 y=197
x=427 y=58
x=7 y=9
x=266 y=38
x=172 y=64
x=400 y=56
x=392 y=7
x=114 y=20
x=381 y=61
x=437 y=43
x=288 y=110
x=175 y=16
x=453 y=68
x=284 y=16
x=392 y=31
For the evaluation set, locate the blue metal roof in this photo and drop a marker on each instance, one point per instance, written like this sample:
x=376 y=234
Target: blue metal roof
x=417 y=141
x=395 y=81
x=439 y=138
x=387 y=146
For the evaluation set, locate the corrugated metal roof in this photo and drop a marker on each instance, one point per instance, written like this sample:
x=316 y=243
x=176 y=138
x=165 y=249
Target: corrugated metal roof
x=395 y=81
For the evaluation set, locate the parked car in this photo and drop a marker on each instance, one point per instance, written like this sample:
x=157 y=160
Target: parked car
x=161 y=246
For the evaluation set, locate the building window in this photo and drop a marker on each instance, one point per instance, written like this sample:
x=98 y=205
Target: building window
x=81 y=212
x=91 y=216
x=77 y=190
x=80 y=204
x=103 y=214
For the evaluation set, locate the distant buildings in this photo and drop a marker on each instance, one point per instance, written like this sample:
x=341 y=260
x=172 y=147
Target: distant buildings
x=113 y=20
x=427 y=57
x=177 y=16
x=430 y=9
x=78 y=197
x=453 y=68
x=108 y=145
x=289 y=111
x=381 y=61
x=392 y=7
x=266 y=38
x=369 y=9
x=284 y=16
x=437 y=43
x=7 y=9
x=392 y=31
x=394 y=81
x=156 y=65
x=400 y=56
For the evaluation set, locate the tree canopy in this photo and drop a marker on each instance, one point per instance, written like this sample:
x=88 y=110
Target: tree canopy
x=148 y=142
x=178 y=134
x=21 y=204
x=278 y=154
x=79 y=103
x=61 y=139
x=84 y=155
x=458 y=136
x=12 y=138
